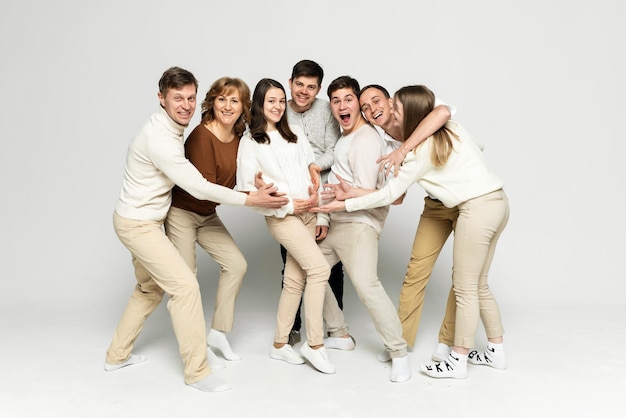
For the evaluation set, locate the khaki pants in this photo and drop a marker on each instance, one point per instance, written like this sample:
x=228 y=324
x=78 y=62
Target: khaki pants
x=435 y=226
x=159 y=268
x=306 y=271
x=184 y=229
x=480 y=224
x=356 y=245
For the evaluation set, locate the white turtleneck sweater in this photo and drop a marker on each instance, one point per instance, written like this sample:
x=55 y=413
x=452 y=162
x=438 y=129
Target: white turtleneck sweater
x=154 y=163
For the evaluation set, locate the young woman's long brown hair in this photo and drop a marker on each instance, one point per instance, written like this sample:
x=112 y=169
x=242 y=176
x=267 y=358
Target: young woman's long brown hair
x=417 y=102
x=258 y=124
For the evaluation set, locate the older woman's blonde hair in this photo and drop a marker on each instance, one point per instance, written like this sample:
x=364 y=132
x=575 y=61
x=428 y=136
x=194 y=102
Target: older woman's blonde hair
x=223 y=87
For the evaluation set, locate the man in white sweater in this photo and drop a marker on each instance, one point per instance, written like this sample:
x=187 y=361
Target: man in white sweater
x=356 y=153
x=155 y=162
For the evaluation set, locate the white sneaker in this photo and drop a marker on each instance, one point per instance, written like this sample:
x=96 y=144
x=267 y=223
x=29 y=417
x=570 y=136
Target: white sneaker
x=340 y=343
x=441 y=352
x=318 y=358
x=286 y=353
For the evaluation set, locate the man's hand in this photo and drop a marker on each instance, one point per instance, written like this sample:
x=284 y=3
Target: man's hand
x=320 y=232
x=267 y=197
x=314 y=172
x=393 y=160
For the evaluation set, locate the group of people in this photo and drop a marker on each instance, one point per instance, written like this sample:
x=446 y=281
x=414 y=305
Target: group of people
x=323 y=177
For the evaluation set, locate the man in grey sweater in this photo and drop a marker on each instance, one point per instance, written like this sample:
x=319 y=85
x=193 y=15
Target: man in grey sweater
x=313 y=115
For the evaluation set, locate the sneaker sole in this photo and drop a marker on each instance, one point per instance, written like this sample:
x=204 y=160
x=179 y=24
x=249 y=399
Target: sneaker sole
x=290 y=361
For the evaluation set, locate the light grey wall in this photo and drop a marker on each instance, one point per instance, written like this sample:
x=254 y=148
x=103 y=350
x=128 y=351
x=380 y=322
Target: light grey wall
x=540 y=82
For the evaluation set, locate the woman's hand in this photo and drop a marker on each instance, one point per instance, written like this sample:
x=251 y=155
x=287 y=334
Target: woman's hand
x=327 y=194
x=314 y=172
x=334 y=206
x=304 y=205
x=258 y=180
x=260 y=184
x=341 y=191
x=392 y=161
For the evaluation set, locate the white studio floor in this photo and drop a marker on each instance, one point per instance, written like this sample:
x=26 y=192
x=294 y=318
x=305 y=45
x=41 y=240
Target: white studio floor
x=562 y=362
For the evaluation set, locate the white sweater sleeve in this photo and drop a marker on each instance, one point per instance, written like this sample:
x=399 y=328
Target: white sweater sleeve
x=247 y=165
x=169 y=156
x=410 y=173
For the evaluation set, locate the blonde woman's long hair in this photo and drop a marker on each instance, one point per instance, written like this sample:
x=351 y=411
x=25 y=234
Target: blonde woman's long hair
x=417 y=102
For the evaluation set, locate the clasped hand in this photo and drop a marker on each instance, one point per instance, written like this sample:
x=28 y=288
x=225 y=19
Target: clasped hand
x=334 y=195
x=299 y=205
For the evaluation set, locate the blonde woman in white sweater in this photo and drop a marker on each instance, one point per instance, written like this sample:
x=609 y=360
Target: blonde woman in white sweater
x=283 y=155
x=451 y=167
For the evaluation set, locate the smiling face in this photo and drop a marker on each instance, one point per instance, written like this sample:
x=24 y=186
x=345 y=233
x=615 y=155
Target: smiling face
x=303 y=92
x=377 y=108
x=227 y=107
x=180 y=104
x=273 y=107
x=345 y=108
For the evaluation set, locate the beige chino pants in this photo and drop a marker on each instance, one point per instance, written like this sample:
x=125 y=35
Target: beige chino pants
x=435 y=226
x=356 y=245
x=184 y=229
x=159 y=269
x=480 y=224
x=306 y=271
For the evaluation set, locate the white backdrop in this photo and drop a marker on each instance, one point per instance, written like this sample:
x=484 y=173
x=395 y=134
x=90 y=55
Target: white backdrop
x=540 y=82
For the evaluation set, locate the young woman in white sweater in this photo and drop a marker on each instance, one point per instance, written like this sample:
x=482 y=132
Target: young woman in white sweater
x=451 y=167
x=283 y=154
